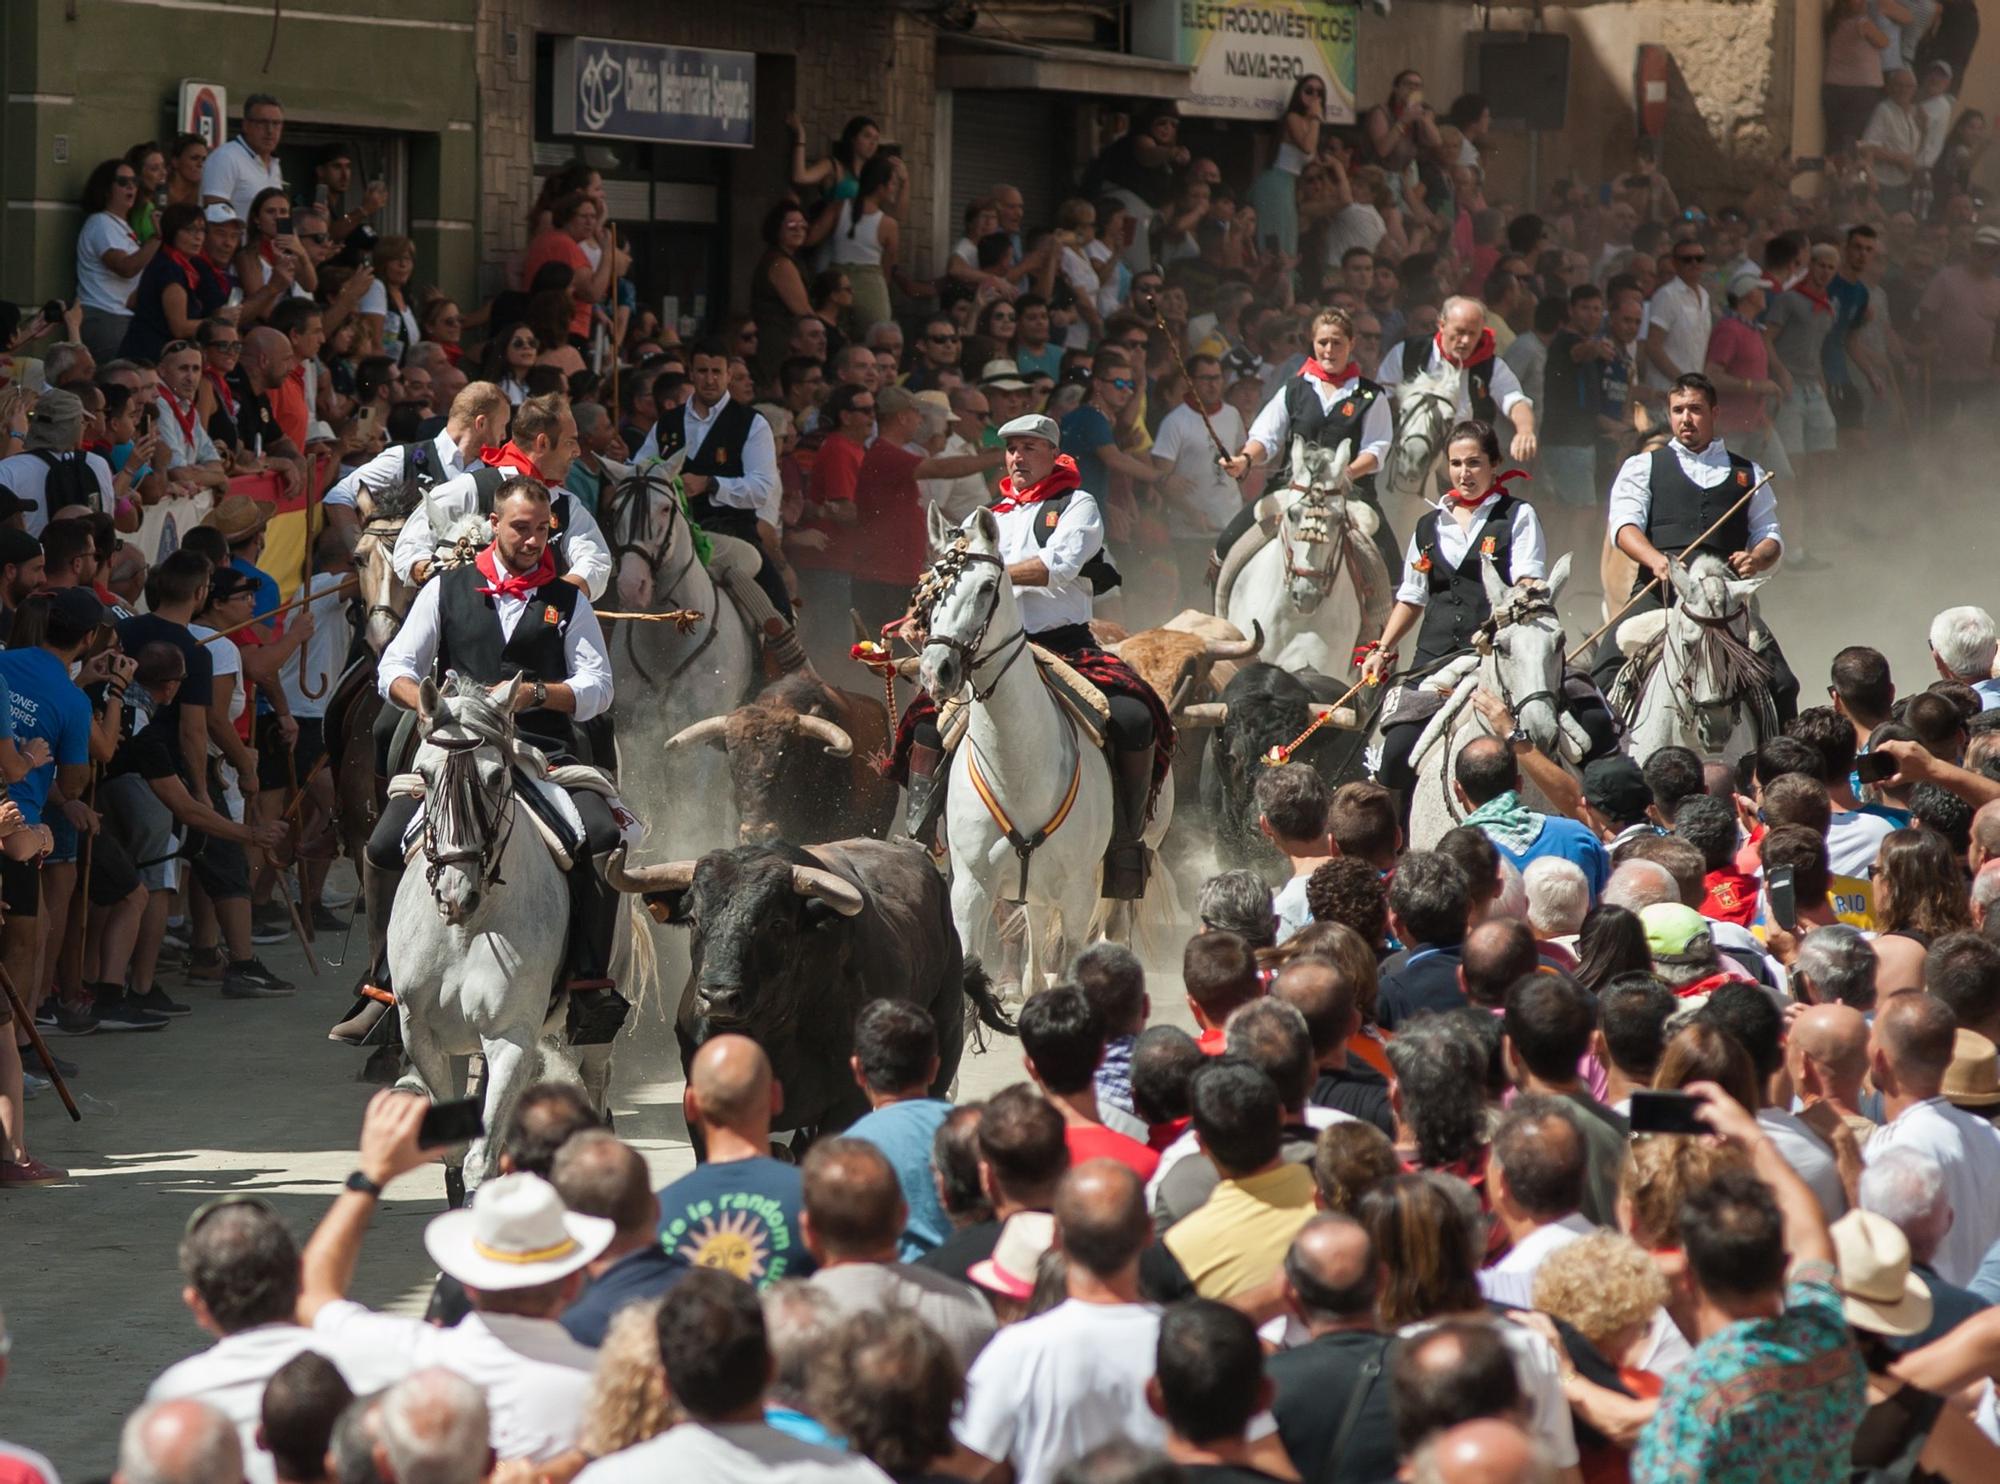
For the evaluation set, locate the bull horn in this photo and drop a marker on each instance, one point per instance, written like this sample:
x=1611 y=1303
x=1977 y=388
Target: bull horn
x=838 y=743
x=908 y=667
x=673 y=876
x=836 y=891
x=1183 y=686
x=1203 y=714
x=1238 y=649
x=712 y=731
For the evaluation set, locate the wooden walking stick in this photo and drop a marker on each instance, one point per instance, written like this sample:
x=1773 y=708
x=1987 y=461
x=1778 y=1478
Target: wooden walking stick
x=306 y=592
x=1612 y=621
x=83 y=862
x=27 y=1023
x=284 y=608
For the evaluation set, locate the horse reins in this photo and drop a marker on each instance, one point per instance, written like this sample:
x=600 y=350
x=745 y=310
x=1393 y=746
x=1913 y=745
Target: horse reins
x=653 y=559
x=461 y=801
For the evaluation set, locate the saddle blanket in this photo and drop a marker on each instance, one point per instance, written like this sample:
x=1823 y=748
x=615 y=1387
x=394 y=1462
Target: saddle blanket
x=546 y=793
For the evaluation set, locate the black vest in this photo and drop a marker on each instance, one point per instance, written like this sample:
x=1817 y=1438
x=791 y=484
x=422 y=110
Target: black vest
x=1478 y=377
x=1681 y=509
x=421 y=473
x=486 y=482
x=1100 y=572
x=720 y=457
x=470 y=642
x=1457 y=595
x=1327 y=427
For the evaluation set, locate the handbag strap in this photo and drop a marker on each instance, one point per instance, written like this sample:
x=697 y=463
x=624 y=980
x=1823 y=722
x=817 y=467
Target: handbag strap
x=1364 y=1383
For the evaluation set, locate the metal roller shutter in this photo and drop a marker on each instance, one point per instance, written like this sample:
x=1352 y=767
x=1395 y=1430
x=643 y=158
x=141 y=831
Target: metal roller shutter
x=1011 y=139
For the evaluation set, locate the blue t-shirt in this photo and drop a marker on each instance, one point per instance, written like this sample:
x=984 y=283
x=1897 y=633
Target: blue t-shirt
x=903 y=1132
x=264 y=598
x=1085 y=431
x=742 y=1217
x=1850 y=307
x=1565 y=839
x=44 y=702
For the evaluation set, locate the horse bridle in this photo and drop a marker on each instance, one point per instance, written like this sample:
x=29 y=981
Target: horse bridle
x=1531 y=605
x=932 y=587
x=1320 y=577
x=376 y=526
x=1685 y=705
x=459 y=792
x=653 y=559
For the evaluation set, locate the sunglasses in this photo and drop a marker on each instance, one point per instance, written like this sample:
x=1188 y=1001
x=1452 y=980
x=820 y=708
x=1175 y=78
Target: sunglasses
x=175 y=347
x=207 y=1209
x=1690 y=257
x=1123 y=383
x=523 y=345
x=225 y=347
x=861 y=407
x=315 y=236
x=123 y=180
x=941 y=339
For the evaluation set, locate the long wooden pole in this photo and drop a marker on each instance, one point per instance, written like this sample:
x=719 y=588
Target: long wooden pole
x=27 y=1023
x=285 y=608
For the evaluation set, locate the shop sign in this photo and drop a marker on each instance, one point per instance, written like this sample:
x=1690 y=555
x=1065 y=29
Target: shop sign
x=659 y=94
x=1248 y=54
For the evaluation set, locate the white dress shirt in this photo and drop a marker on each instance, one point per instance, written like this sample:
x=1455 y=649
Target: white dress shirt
x=385 y=471
x=1078 y=537
x=411 y=653
x=1511 y=1281
x=1505 y=387
x=1632 y=494
x=1528 y=553
x=589 y=553
x=536 y=1378
x=1273 y=426
x=1684 y=314
x=757 y=489
x=1967 y=1149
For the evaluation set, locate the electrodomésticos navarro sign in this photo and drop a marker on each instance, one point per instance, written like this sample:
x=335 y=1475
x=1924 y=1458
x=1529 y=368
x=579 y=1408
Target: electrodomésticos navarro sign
x=660 y=94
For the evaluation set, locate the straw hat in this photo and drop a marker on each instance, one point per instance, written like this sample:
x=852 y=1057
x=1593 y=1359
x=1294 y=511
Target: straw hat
x=1878 y=1291
x=1011 y=1269
x=515 y=1234
x=1973 y=1078
x=238 y=517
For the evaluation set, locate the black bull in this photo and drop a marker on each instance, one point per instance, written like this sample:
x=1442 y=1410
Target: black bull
x=1263 y=707
x=788 y=946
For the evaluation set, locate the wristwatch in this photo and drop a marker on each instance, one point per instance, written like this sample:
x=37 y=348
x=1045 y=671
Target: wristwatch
x=361 y=1183
x=539 y=695
x=1519 y=737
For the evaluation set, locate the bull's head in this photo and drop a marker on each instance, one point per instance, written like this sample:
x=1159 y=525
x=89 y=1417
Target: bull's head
x=750 y=910
x=757 y=739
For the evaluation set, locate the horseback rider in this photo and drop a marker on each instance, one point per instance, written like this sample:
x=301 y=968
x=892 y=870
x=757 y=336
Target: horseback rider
x=1327 y=403
x=543 y=443
x=1663 y=501
x=1052 y=540
x=395 y=477
x=1490 y=390
x=730 y=478
x=1475 y=521
x=508 y=613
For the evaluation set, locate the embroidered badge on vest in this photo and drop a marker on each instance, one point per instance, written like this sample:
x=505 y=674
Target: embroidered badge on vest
x=1487 y=546
x=1050 y=520
x=721 y=455
x=549 y=614
x=1422 y=563
x=1347 y=409
x=1742 y=478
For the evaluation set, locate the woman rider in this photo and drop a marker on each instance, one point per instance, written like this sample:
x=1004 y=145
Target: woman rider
x=1328 y=402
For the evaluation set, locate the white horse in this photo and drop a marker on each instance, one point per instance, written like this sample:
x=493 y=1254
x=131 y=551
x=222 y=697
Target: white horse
x=473 y=945
x=1519 y=658
x=1708 y=690
x=1320 y=588
x=667 y=681
x=1426 y=407
x=1021 y=750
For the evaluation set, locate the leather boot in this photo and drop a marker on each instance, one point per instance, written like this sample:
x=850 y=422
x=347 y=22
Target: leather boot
x=782 y=648
x=364 y=1024
x=1127 y=861
x=926 y=790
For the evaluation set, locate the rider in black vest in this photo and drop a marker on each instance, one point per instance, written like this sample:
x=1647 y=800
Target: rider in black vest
x=504 y=615
x=735 y=444
x=1328 y=403
x=1663 y=506
x=1444 y=586
x=1493 y=393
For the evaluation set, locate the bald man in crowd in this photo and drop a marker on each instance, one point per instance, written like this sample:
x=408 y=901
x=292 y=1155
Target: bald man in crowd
x=180 y=1442
x=731 y=1099
x=1909 y=1050
x=1826 y=1056
x=1332 y=1282
x=1985 y=844
x=1488 y=1451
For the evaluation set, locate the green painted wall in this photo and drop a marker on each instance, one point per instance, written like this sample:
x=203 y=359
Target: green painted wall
x=112 y=75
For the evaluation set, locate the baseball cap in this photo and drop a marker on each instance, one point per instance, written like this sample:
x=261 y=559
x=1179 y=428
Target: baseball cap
x=1675 y=932
x=220 y=212
x=12 y=505
x=1986 y=237
x=1616 y=788
x=77 y=607
x=57 y=421
x=1033 y=425
x=227 y=582
x=1003 y=375
x=1746 y=282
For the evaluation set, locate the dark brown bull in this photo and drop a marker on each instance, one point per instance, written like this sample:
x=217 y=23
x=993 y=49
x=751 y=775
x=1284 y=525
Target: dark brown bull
x=802 y=762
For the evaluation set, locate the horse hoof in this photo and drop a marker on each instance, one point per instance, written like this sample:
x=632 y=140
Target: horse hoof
x=454 y=1187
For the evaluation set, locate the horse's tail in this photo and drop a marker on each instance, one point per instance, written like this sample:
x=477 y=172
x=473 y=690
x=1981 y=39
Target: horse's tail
x=986 y=1005
x=1143 y=925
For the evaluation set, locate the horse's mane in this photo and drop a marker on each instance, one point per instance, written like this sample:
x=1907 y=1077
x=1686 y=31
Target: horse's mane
x=474 y=708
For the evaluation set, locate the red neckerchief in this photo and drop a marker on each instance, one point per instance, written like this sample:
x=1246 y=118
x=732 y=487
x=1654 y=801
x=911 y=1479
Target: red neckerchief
x=1706 y=986
x=1059 y=481
x=222 y=389
x=268 y=251
x=510 y=456
x=514 y=584
x=1314 y=371
x=1499 y=487
x=184 y=416
x=1483 y=351
x=1815 y=297
x=181 y=261
x=452 y=351
x=1195 y=402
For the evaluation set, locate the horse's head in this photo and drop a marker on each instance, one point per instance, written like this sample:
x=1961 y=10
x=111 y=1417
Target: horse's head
x=641 y=517
x=964 y=597
x=1313 y=527
x=467 y=737
x=1424 y=407
x=1708 y=635
x=385 y=597
x=1521 y=651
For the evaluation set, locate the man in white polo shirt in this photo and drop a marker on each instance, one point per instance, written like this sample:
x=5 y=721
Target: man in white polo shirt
x=247 y=164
